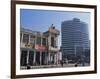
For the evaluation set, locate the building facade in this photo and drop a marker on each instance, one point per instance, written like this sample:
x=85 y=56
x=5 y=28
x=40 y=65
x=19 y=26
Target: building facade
x=75 y=38
x=39 y=48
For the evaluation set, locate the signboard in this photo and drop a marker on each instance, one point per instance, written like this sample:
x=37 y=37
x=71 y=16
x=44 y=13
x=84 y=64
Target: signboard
x=28 y=46
x=40 y=47
x=53 y=49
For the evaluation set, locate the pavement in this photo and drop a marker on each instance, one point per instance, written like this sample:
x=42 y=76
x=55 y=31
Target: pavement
x=54 y=66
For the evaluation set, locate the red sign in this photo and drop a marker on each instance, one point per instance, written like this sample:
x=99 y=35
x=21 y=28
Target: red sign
x=40 y=47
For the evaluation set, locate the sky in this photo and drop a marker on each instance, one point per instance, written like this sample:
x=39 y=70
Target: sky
x=41 y=20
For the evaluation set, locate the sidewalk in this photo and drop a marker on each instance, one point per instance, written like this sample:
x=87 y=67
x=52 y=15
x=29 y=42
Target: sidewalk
x=49 y=66
x=54 y=66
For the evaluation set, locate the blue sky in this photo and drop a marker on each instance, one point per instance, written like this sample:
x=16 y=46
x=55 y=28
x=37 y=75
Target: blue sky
x=41 y=20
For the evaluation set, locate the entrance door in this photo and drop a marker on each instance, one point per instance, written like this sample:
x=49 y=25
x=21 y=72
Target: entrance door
x=38 y=58
x=43 y=58
x=23 y=60
x=31 y=58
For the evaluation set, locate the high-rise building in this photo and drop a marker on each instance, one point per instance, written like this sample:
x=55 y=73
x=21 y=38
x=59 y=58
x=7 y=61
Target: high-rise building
x=75 y=38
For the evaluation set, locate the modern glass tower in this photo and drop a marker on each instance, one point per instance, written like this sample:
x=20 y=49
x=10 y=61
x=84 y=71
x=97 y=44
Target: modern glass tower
x=75 y=38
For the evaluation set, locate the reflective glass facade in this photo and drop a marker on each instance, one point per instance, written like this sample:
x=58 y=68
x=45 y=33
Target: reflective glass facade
x=75 y=37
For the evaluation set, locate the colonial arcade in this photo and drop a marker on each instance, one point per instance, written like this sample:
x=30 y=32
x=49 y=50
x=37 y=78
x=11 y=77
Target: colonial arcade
x=39 y=48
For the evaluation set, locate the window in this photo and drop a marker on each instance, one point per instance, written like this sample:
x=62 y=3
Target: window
x=44 y=41
x=32 y=38
x=23 y=60
x=38 y=41
x=52 y=41
x=31 y=58
x=25 y=38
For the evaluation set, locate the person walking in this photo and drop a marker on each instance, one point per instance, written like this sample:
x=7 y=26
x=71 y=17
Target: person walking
x=62 y=63
x=28 y=66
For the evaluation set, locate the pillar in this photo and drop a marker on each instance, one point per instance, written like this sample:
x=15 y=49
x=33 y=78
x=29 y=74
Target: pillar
x=35 y=41
x=56 y=41
x=40 y=57
x=48 y=57
x=34 y=61
x=22 y=39
x=49 y=45
x=56 y=58
x=27 y=56
x=29 y=39
x=41 y=39
x=49 y=40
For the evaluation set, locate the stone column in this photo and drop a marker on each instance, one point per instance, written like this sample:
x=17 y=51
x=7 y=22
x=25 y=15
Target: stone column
x=56 y=41
x=55 y=59
x=49 y=39
x=49 y=45
x=34 y=61
x=29 y=39
x=41 y=40
x=48 y=57
x=27 y=56
x=22 y=38
x=40 y=57
x=35 y=41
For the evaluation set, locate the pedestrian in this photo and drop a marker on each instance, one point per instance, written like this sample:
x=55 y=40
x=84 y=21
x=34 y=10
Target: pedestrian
x=62 y=63
x=76 y=65
x=28 y=66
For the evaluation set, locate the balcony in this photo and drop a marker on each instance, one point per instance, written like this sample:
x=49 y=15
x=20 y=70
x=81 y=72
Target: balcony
x=55 y=49
x=23 y=45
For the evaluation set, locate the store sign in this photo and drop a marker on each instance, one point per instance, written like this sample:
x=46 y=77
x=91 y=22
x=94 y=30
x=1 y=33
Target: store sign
x=53 y=49
x=40 y=47
x=28 y=46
